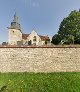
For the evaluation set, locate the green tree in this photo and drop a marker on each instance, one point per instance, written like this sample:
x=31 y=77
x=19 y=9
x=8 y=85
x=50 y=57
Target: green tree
x=56 y=39
x=69 y=29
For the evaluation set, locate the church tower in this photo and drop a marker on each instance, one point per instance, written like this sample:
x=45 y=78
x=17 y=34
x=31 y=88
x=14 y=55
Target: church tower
x=14 y=32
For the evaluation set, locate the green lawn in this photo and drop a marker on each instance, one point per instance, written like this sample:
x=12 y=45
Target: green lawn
x=40 y=82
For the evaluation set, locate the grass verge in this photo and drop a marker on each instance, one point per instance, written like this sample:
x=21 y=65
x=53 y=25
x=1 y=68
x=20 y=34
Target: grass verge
x=40 y=82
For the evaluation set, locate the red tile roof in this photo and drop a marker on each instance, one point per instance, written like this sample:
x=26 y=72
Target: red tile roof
x=43 y=38
x=24 y=36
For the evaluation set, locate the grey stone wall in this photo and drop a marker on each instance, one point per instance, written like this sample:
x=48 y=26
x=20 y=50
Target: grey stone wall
x=39 y=59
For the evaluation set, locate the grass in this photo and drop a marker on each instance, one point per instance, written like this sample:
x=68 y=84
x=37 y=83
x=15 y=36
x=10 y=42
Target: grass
x=40 y=82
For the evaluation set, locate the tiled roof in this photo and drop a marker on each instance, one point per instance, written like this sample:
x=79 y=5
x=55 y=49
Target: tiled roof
x=44 y=37
x=24 y=36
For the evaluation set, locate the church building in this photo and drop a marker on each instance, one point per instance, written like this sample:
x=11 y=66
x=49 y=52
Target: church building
x=16 y=37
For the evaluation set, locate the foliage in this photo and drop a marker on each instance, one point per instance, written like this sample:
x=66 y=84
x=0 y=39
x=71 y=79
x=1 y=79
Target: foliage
x=40 y=82
x=69 y=30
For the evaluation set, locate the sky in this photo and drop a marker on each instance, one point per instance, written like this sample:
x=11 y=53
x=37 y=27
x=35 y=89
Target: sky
x=44 y=16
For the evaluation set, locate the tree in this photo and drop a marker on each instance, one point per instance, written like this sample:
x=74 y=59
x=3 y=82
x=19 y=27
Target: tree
x=29 y=42
x=69 y=29
x=56 y=39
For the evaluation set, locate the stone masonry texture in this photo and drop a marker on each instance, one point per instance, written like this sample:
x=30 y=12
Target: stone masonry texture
x=39 y=59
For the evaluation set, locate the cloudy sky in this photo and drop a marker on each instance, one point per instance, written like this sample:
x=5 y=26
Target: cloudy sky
x=43 y=15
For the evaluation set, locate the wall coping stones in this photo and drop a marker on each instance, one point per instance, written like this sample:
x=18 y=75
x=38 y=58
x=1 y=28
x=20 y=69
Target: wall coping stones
x=56 y=46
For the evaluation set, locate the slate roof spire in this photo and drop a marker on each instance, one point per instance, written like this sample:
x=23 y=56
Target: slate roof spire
x=15 y=18
x=15 y=24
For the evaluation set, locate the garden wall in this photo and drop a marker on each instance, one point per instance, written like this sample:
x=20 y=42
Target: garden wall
x=43 y=59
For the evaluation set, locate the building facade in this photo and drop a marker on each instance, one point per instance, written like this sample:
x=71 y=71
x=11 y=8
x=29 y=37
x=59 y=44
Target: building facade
x=16 y=37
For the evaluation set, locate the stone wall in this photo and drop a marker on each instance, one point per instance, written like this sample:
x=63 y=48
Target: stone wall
x=39 y=59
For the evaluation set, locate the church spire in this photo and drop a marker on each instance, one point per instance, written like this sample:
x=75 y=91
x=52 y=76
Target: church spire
x=15 y=18
x=15 y=24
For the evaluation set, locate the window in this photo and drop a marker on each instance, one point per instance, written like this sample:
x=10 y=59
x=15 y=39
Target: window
x=13 y=31
x=34 y=38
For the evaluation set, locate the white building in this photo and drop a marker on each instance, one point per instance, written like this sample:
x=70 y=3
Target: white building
x=16 y=37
